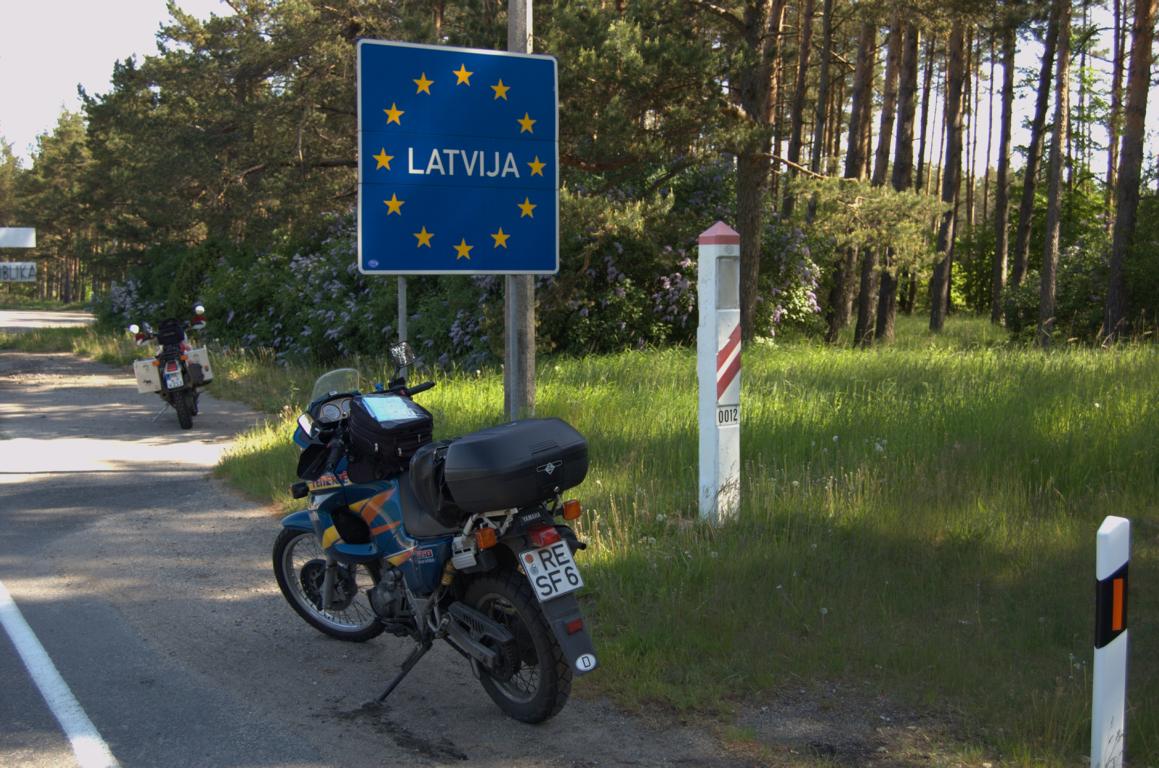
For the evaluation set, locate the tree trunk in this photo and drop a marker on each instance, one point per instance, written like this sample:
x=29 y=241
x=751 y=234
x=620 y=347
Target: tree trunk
x=927 y=78
x=989 y=135
x=854 y=166
x=888 y=102
x=1002 y=184
x=862 y=94
x=1130 y=164
x=1046 y=319
x=817 y=153
x=973 y=53
x=903 y=151
x=955 y=80
x=867 y=298
x=902 y=177
x=756 y=101
x=886 y=306
x=1033 y=154
x=1116 y=117
x=797 y=111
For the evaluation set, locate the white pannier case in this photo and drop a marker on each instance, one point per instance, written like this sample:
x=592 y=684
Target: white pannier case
x=200 y=356
x=148 y=377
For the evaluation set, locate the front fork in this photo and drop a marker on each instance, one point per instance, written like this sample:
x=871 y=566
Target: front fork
x=328 y=579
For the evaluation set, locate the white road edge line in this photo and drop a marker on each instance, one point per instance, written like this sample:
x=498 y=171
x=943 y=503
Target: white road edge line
x=90 y=749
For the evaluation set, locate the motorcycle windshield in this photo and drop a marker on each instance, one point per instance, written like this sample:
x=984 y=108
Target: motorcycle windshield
x=334 y=382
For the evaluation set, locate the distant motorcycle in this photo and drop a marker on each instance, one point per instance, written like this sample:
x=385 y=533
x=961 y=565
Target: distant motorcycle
x=455 y=540
x=178 y=370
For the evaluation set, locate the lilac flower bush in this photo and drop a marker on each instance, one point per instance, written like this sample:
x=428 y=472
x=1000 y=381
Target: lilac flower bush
x=789 y=282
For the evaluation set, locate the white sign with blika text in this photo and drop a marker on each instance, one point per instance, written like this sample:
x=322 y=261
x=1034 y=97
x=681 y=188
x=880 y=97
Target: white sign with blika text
x=18 y=272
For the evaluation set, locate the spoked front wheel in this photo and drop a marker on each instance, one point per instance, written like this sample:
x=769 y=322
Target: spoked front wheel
x=541 y=683
x=300 y=567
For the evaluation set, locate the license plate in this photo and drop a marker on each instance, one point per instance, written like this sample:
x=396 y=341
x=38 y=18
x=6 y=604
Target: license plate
x=173 y=380
x=551 y=571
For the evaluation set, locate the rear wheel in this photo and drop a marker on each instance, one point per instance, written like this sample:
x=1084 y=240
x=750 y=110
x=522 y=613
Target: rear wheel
x=182 y=402
x=541 y=683
x=300 y=568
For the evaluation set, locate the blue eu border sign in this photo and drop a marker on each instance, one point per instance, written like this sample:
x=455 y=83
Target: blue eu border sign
x=458 y=161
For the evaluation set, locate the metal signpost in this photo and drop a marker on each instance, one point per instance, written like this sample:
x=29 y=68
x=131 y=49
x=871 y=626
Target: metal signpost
x=1109 y=682
x=718 y=366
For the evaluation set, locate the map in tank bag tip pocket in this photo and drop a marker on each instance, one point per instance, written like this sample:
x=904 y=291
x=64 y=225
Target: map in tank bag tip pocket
x=551 y=571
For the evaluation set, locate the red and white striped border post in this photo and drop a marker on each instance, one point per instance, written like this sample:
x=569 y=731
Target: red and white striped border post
x=718 y=366
x=1109 y=685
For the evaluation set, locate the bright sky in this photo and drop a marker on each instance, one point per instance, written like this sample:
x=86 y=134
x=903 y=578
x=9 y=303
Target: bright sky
x=48 y=47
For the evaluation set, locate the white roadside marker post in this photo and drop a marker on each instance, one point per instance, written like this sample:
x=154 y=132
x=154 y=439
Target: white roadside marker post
x=1109 y=695
x=718 y=365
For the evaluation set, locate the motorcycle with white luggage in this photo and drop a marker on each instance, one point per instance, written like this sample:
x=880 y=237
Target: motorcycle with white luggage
x=178 y=370
x=463 y=540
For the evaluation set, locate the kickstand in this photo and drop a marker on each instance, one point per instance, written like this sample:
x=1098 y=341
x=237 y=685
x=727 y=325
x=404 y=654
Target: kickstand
x=163 y=409
x=419 y=651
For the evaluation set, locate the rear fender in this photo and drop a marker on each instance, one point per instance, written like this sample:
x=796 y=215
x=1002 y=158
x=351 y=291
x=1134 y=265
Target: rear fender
x=577 y=646
x=562 y=611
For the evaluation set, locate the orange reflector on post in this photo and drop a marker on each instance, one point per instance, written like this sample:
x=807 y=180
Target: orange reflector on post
x=572 y=509
x=1117 y=606
x=486 y=538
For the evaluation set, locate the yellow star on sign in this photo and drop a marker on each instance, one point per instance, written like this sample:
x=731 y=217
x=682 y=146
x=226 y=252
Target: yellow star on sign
x=394 y=205
x=501 y=90
x=424 y=238
x=393 y=114
x=536 y=167
x=526 y=122
x=464 y=77
x=463 y=250
x=383 y=159
x=423 y=84
x=500 y=238
x=527 y=207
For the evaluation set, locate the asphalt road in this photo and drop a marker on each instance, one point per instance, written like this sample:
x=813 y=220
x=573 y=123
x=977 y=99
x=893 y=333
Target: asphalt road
x=148 y=583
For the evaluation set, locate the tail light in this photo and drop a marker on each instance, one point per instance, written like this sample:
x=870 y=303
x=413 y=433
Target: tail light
x=171 y=367
x=543 y=536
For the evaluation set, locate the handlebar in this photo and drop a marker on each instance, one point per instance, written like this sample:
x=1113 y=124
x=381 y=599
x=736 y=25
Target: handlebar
x=420 y=388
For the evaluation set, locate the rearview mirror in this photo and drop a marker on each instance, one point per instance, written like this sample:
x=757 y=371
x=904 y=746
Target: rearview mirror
x=402 y=354
x=306 y=424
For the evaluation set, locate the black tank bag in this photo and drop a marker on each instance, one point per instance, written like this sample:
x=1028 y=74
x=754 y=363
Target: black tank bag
x=385 y=431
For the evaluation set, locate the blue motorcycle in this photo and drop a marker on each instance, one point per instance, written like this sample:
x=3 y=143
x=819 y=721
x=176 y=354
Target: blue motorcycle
x=463 y=540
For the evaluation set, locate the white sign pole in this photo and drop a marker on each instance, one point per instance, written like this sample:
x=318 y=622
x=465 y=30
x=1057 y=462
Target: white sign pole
x=1109 y=697
x=718 y=351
